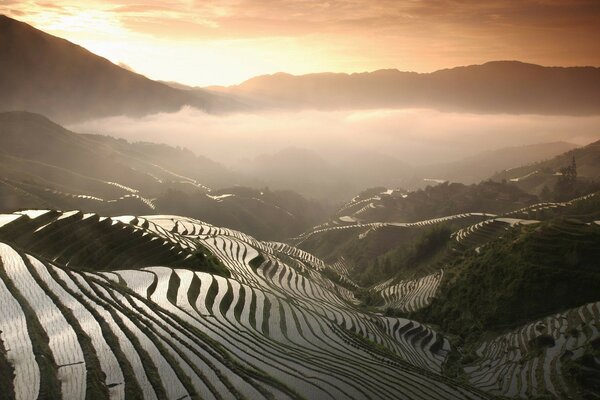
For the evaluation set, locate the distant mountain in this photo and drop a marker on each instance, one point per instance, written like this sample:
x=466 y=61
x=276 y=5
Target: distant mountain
x=480 y=166
x=301 y=170
x=334 y=178
x=495 y=87
x=45 y=74
x=339 y=176
x=43 y=165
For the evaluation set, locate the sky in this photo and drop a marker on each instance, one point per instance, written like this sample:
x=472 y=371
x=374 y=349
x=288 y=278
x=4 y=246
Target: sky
x=209 y=42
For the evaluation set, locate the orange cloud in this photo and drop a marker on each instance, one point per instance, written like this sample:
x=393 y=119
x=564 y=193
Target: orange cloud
x=267 y=36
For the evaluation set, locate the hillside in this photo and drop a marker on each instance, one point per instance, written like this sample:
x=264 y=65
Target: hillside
x=48 y=75
x=481 y=280
x=383 y=234
x=481 y=166
x=523 y=302
x=519 y=277
x=44 y=165
x=171 y=332
x=494 y=87
x=535 y=177
x=301 y=170
x=282 y=314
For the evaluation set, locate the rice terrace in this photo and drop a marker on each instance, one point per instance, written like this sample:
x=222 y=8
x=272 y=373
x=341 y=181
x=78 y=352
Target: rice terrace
x=300 y=200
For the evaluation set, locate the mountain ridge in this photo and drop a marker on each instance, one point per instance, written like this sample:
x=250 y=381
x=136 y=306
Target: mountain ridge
x=512 y=87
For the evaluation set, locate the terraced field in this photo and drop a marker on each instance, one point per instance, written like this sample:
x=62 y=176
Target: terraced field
x=408 y=296
x=163 y=306
x=530 y=361
x=275 y=327
x=364 y=229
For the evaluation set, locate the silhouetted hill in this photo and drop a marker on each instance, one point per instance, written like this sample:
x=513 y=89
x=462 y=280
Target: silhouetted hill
x=495 y=87
x=333 y=178
x=45 y=74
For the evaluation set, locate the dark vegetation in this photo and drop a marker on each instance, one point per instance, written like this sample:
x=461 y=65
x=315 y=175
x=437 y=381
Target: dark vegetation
x=7 y=370
x=585 y=371
x=264 y=214
x=257 y=261
x=531 y=272
x=409 y=259
x=408 y=252
x=451 y=198
x=585 y=210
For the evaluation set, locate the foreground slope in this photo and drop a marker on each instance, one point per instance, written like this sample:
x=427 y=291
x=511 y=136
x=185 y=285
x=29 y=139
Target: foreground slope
x=277 y=327
x=516 y=292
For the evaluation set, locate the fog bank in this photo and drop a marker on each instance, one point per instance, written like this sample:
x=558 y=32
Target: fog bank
x=415 y=136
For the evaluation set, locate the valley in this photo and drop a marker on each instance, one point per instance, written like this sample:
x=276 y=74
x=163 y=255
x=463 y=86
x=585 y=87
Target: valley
x=417 y=290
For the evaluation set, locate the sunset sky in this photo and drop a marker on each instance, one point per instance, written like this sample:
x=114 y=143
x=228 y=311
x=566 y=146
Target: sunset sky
x=225 y=42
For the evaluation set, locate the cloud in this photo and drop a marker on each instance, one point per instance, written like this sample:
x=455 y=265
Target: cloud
x=242 y=19
x=315 y=36
x=414 y=135
x=125 y=66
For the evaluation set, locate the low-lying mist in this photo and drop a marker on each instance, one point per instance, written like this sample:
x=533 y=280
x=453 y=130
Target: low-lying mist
x=357 y=145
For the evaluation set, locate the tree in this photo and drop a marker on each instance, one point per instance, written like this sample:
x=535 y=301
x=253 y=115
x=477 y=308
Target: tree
x=565 y=186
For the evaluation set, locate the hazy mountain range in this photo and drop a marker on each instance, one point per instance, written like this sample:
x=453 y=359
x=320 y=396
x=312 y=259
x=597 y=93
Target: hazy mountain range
x=494 y=87
x=339 y=178
x=545 y=173
x=45 y=74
